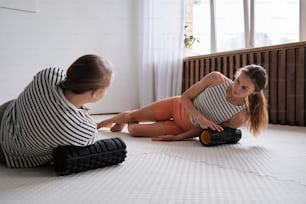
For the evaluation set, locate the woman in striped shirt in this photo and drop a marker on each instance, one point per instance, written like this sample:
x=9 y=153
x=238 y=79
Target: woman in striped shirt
x=214 y=102
x=50 y=112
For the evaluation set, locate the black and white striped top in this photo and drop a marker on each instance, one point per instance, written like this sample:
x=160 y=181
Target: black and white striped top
x=40 y=119
x=212 y=103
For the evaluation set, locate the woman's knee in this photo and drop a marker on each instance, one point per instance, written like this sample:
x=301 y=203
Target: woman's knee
x=171 y=128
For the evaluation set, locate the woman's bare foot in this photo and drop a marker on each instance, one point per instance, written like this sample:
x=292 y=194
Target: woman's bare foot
x=105 y=123
x=120 y=121
x=118 y=127
x=123 y=117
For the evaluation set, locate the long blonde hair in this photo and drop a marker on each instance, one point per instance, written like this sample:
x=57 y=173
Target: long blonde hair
x=257 y=118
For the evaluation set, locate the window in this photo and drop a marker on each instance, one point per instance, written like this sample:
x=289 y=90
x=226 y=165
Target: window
x=201 y=27
x=275 y=22
x=229 y=25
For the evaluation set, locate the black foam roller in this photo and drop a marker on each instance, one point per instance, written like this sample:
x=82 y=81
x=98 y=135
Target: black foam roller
x=209 y=137
x=73 y=159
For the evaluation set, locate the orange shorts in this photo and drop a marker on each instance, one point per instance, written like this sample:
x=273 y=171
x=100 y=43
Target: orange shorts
x=173 y=114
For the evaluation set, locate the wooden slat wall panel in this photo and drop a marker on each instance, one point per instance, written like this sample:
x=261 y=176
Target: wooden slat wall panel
x=197 y=70
x=273 y=108
x=202 y=68
x=281 y=88
x=300 y=85
x=291 y=86
x=265 y=63
x=231 y=66
x=285 y=65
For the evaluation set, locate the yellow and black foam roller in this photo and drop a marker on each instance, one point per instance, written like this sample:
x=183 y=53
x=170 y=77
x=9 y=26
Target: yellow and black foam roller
x=209 y=137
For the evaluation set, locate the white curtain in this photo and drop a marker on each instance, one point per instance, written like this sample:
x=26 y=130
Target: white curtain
x=161 y=24
x=248 y=23
x=213 y=35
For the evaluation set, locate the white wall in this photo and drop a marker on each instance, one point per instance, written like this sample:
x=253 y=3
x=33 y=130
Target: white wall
x=58 y=32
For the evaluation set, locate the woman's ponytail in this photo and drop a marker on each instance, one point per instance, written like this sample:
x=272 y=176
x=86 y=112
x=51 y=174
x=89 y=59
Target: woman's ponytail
x=258 y=113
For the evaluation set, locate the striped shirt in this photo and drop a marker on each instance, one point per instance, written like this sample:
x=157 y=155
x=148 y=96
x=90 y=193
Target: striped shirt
x=40 y=119
x=212 y=104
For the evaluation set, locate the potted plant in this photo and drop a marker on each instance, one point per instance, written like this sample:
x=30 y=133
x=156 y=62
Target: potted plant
x=189 y=40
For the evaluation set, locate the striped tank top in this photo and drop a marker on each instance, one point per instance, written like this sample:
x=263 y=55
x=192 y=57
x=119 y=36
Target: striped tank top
x=212 y=103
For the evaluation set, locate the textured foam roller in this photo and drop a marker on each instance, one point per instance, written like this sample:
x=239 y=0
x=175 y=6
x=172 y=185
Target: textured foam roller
x=210 y=137
x=73 y=159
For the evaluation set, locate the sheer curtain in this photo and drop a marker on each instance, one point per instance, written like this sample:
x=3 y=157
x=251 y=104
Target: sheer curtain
x=161 y=24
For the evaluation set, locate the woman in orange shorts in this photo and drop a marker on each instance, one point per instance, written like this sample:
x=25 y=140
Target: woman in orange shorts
x=214 y=102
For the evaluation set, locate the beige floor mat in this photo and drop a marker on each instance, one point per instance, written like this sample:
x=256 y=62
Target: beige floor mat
x=270 y=169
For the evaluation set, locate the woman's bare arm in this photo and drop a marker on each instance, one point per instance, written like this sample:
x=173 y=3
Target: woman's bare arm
x=212 y=79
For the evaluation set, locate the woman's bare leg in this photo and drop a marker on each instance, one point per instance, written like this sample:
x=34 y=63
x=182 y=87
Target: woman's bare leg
x=121 y=118
x=118 y=122
x=148 y=113
x=154 y=129
x=146 y=130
